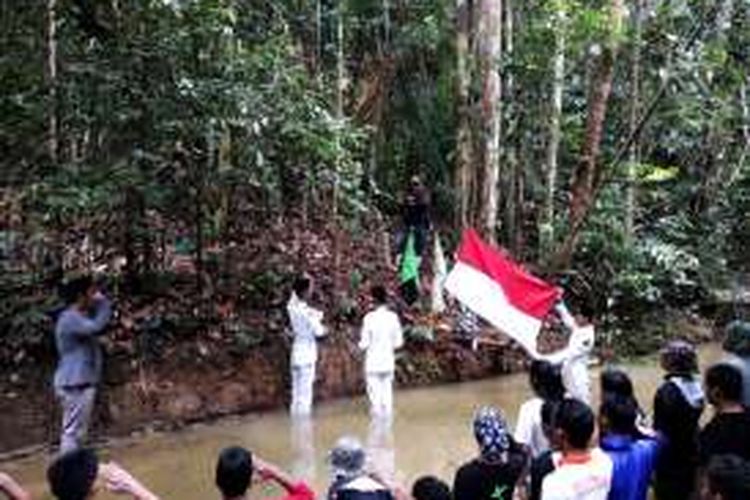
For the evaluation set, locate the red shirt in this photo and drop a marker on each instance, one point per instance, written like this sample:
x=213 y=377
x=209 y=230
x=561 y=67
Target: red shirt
x=299 y=491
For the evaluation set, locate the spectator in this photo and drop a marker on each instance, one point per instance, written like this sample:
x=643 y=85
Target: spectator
x=582 y=473
x=430 y=488
x=545 y=462
x=728 y=479
x=633 y=457
x=737 y=346
x=614 y=381
x=80 y=357
x=234 y=475
x=381 y=337
x=77 y=475
x=12 y=489
x=546 y=382
x=350 y=481
x=500 y=465
x=678 y=405
x=729 y=430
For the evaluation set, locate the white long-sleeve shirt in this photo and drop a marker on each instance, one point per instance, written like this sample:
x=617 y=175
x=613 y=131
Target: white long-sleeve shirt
x=381 y=336
x=307 y=327
x=574 y=357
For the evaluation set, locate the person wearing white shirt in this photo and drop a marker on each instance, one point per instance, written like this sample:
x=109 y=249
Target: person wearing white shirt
x=574 y=358
x=307 y=328
x=547 y=384
x=581 y=473
x=381 y=337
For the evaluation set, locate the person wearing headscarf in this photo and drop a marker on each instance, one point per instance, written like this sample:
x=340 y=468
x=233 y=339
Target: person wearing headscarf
x=737 y=348
x=501 y=463
x=350 y=481
x=678 y=405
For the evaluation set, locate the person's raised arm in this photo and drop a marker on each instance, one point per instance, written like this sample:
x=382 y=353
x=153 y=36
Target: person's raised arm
x=294 y=489
x=12 y=489
x=84 y=327
x=121 y=482
x=315 y=318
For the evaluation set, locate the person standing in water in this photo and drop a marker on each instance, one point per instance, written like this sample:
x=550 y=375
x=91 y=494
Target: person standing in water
x=678 y=405
x=307 y=328
x=381 y=337
x=80 y=357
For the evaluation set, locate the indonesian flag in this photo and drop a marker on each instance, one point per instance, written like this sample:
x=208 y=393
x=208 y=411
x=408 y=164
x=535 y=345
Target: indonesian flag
x=500 y=291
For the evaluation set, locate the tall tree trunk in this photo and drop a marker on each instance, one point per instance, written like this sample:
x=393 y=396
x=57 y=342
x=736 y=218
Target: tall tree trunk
x=490 y=42
x=386 y=26
x=635 y=97
x=318 y=35
x=51 y=76
x=340 y=82
x=509 y=158
x=463 y=131
x=589 y=171
x=547 y=229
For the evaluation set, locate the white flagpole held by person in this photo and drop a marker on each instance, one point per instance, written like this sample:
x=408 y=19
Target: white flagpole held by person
x=440 y=272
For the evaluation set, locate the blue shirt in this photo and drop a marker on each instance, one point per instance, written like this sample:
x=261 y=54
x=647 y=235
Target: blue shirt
x=80 y=361
x=634 y=461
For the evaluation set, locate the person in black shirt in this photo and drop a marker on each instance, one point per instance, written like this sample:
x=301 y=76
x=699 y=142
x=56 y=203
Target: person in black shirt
x=545 y=463
x=678 y=405
x=729 y=431
x=501 y=462
x=728 y=479
x=416 y=217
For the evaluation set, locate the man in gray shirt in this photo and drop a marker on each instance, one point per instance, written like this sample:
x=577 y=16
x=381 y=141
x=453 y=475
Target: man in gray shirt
x=80 y=357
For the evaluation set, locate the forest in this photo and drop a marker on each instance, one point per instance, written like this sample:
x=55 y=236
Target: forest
x=198 y=153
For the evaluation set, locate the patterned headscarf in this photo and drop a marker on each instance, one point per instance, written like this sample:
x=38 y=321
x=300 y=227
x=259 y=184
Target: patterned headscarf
x=679 y=358
x=491 y=433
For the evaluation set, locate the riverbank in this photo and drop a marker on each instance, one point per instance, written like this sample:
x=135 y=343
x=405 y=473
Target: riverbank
x=195 y=382
x=185 y=386
x=431 y=433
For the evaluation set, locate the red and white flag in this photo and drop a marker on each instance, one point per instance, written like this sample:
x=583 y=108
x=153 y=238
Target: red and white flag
x=501 y=291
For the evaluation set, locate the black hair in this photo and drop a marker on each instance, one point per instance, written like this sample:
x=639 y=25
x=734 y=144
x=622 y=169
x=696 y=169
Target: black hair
x=379 y=294
x=617 y=382
x=576 y=420
x=546 y=380
x=621 y=413
x=727 y=379
x=234 y=471
x=301 y=285
x=430 y=488
x=549 y=412
x=729 y=476
x=76 y=288
x=71 y=476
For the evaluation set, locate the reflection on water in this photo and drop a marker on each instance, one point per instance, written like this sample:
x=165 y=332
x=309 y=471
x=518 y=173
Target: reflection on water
x=381 y=452
x=302 y=448
x=430 y=433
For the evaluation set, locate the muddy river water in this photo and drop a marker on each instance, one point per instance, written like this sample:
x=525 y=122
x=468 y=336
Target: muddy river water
x=430 y=433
